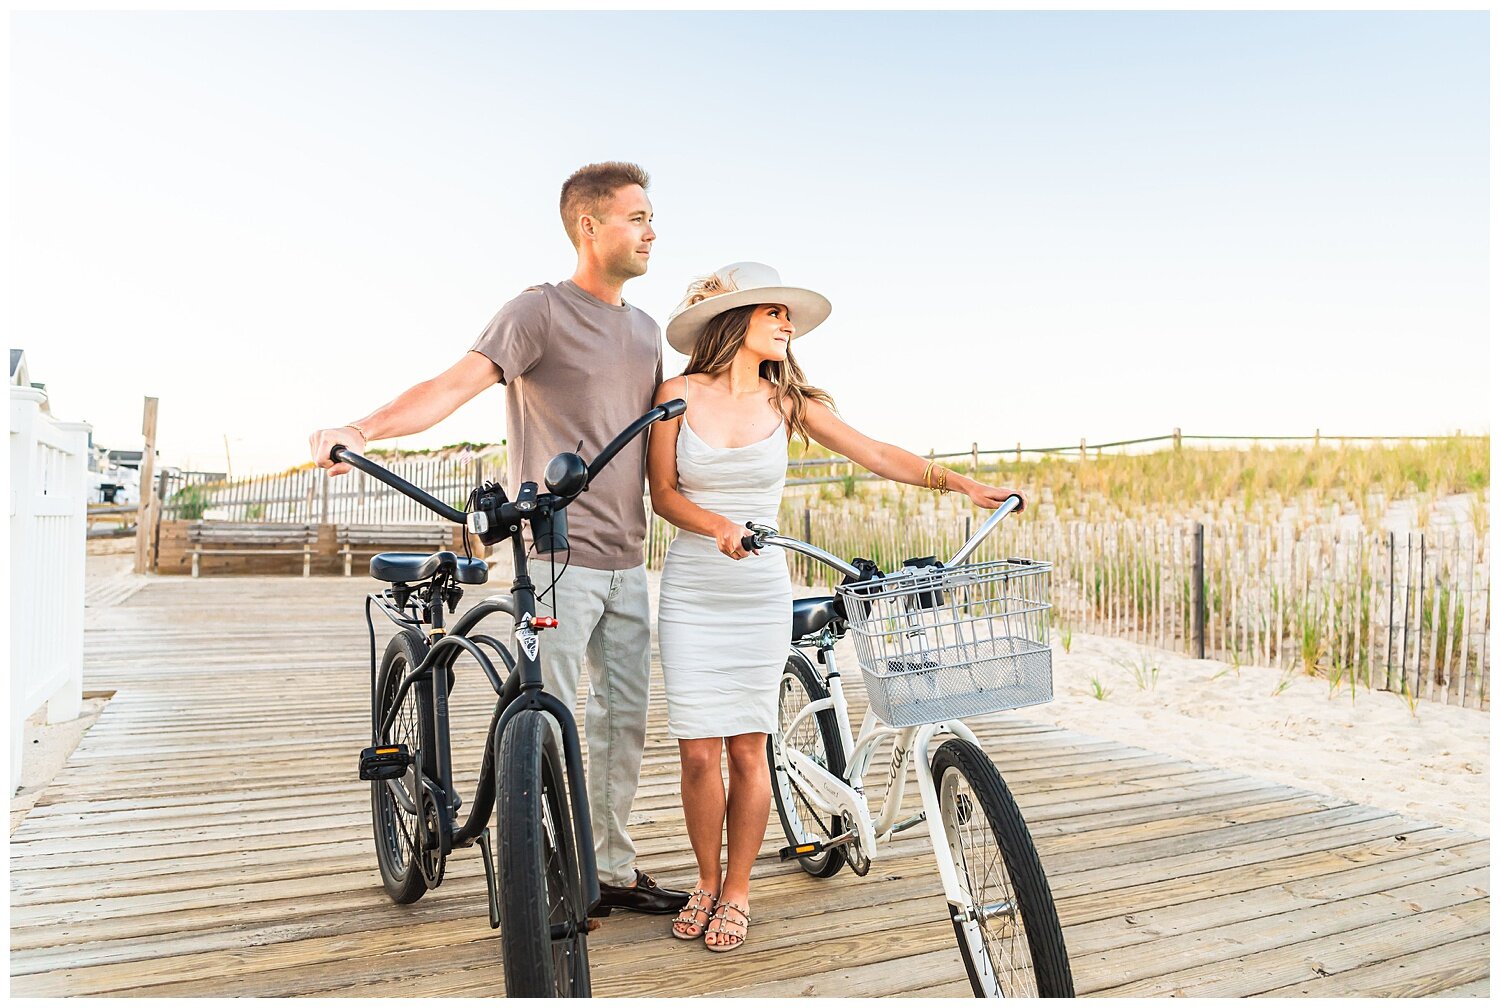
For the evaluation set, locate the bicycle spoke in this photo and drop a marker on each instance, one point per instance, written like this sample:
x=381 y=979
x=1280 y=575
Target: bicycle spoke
x=981 y=865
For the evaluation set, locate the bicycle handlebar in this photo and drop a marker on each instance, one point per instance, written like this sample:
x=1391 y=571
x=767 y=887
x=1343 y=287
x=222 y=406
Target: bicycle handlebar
x=663 y=411
x=1010 y=504
x=341 y=453
x=765 y=535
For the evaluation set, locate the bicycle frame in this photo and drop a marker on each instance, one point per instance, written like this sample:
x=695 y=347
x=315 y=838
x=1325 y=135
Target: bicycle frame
x=846 y=797
x=911 y=745
x=521 y=690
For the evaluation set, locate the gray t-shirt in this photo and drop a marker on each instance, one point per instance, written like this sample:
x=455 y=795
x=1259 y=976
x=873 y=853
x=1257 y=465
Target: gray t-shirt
x=578 y=369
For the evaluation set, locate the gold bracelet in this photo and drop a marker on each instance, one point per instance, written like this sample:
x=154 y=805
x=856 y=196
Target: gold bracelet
x=942 y=486
x=362 y=434
x=927 y=475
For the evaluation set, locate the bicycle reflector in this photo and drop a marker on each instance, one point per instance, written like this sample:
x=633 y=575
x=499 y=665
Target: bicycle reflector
x=384 y=762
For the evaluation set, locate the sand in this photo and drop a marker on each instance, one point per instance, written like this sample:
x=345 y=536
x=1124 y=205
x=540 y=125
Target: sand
x=1432 y=764
x=1276 y=726
x=1273 y=725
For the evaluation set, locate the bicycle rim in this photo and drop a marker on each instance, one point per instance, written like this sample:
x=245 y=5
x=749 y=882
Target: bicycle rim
x=397 y=803
x=816 y=738
x=994 y=941
x=564 y=891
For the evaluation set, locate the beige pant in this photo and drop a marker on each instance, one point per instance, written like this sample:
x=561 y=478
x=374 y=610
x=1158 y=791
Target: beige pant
x=604 y=617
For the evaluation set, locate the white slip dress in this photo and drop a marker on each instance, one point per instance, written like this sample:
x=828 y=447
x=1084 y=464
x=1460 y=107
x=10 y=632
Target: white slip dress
x=724 y=626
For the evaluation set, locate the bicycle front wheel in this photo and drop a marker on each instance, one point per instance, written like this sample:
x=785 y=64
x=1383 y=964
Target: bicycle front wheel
x=543 y=919
x=816 y=737
x=1007 y=931
x=396 y=804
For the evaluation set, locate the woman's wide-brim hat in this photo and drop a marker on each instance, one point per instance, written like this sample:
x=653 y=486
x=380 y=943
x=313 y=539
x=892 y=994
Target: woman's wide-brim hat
x=740 y=284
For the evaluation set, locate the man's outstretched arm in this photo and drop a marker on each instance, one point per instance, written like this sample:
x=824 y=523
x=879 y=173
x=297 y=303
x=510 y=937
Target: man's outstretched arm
x=411 y=412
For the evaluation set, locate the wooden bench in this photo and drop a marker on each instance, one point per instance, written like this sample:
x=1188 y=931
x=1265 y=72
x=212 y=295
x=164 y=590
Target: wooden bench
x=215 y=538
x=371 y=539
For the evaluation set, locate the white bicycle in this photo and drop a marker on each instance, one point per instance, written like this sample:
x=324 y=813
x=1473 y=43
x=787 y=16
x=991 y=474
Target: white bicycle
x=936 y=642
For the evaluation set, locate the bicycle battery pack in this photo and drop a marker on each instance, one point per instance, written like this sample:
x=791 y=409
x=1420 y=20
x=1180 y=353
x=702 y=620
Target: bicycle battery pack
x=384 y=762
x=550 y=532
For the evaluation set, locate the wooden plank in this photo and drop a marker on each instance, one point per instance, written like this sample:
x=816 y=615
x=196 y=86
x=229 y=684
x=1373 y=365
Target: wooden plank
x=274 y=893
x=1261 y=930
x=1205 y=912
x=1440 y=971
x=1300 y=961
x=1475 y=989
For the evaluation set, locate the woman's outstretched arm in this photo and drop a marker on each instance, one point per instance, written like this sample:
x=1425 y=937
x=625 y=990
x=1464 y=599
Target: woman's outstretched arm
x=895 y=463
x=661 y=475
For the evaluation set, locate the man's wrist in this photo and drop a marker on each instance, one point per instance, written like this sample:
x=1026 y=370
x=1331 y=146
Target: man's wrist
x=358 y=430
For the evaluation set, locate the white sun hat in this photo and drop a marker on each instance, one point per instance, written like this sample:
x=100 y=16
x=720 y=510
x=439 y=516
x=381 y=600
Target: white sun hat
x=735 y=286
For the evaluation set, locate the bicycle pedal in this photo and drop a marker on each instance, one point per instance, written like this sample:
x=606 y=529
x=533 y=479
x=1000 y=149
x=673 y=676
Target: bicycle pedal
x=384 y=762
x=802 y=850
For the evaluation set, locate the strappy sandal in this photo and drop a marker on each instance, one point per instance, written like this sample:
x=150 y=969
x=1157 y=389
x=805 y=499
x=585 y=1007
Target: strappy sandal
x=721 y=915
x=690 y=912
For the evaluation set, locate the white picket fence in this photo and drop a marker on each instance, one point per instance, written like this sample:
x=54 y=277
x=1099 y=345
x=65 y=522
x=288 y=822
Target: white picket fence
x=48 y=518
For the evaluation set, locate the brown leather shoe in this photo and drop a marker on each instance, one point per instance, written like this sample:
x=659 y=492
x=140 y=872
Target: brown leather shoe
x=643 y=897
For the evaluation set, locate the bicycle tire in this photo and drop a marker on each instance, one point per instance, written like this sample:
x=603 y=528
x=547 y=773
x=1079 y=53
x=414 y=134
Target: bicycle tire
x=542 y=892
x=1013 y=883
x=800 y=821
x=395 y=829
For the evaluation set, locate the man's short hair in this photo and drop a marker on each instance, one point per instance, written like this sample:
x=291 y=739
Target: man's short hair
x=587 y=190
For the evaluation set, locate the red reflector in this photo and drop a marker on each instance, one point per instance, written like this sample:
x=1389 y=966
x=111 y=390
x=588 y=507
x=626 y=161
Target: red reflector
x=544 y=622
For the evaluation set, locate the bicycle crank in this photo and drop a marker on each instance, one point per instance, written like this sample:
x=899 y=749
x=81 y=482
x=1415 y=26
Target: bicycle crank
x=815 y=847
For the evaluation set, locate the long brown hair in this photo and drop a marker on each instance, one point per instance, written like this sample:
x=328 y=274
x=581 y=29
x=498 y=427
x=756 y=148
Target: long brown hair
x=722 y=338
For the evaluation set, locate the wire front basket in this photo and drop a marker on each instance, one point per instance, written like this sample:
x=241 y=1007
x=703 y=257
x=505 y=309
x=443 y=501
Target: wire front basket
x=939 y=644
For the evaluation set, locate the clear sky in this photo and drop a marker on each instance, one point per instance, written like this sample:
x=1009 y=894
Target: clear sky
x=1033 y=227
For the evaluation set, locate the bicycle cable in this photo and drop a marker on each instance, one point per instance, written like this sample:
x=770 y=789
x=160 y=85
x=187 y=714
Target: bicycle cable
x=468 y=510
x=567 y=559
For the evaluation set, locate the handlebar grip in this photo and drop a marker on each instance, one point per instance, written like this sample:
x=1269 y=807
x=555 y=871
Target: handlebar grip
x=336 y=451
x=748 y=544
x=673 y=408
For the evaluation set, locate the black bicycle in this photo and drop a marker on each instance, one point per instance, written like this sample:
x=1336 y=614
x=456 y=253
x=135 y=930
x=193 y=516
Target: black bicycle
x=546 y=850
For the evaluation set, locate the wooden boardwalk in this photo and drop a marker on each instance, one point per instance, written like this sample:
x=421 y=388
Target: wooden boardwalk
x=210 y=837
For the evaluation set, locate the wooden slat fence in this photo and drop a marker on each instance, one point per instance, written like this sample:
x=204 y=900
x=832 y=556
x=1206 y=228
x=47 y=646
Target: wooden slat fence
x=1409 y=613
x=310 y=495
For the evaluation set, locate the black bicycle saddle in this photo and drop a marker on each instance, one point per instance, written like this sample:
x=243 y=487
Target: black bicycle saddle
x=404 y=568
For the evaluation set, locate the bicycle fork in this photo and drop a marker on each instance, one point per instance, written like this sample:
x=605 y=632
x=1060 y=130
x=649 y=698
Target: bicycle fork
x=959 y=899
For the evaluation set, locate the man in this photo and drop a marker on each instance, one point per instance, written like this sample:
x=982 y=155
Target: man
x=577 y=363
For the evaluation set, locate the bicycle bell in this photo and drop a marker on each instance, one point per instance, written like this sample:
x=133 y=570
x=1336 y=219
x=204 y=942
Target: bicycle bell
x=566 y=474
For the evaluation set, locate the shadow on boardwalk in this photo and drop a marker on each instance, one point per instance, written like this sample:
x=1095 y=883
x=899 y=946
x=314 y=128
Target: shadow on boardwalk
x=209 y=837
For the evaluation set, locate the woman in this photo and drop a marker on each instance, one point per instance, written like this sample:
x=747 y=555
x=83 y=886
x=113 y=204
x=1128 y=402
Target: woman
x=725 y=617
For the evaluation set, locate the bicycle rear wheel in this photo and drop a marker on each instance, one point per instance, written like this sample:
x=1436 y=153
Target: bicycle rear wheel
x=396 y=804
x=543 y=919
x=1008 y=932
x=818 y=739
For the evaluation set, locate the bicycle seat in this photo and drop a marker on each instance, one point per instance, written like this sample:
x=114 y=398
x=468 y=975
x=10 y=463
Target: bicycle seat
x=809 y=615
x=404 y=568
